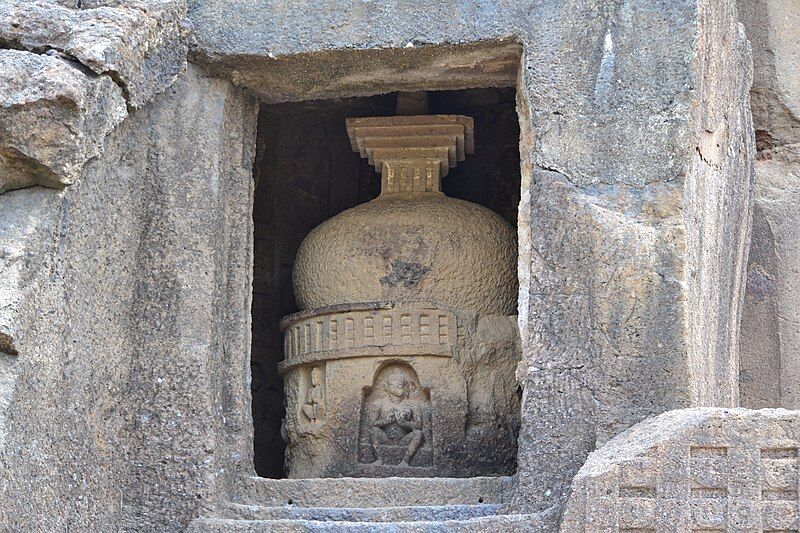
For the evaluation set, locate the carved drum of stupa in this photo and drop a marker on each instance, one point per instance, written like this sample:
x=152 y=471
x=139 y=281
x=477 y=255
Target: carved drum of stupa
x=402 y=360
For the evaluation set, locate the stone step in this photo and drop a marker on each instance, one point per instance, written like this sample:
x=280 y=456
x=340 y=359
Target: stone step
x=367 y=514
x=512 y=523
x=375 y=492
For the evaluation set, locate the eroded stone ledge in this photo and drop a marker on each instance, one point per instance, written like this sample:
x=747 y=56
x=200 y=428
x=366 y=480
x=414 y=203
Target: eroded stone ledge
x=141 y=44
x=54 y=117
x=67 y=77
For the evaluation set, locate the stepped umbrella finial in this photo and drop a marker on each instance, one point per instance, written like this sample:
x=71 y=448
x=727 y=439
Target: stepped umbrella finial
x=414 y=152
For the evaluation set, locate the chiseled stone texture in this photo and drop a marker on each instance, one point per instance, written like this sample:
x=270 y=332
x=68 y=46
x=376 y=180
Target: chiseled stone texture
x=25 y=218
x=54 y=117
x=458 y=254
x=693 y=470
x=770 y=328
x=131 y=315
x=495 y=524
x=139 y=43
x=634 y=222
x=375 y=492
x=375 y=505
x=718 y=204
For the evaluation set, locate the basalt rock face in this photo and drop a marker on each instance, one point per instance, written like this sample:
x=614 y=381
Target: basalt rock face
x=124 y=297
x=770 y=339
x=71 y=75
x=142 y=44
x=54 y=117
x=402 y=361
x=106 y=421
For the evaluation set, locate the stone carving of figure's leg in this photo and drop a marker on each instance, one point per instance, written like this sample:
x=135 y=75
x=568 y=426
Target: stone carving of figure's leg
x=377 y=436
x=415 y=442
x=309 y=411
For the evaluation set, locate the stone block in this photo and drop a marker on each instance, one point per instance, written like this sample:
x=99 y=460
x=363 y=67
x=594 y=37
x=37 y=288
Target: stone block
x=375 y=492
x=692 y=469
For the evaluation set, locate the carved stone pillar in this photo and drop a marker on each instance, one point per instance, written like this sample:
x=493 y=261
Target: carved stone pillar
x=402 y=360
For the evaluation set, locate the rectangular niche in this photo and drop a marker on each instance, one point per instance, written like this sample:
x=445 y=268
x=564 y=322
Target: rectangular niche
x=306 y=172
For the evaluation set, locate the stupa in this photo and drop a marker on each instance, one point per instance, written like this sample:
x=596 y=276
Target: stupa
x=401 y=362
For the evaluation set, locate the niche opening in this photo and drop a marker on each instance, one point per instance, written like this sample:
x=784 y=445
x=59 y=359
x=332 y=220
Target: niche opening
x=306 y=173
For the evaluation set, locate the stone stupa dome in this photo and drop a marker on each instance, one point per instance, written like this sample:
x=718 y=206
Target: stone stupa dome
x=413 y=246
x=411 y=243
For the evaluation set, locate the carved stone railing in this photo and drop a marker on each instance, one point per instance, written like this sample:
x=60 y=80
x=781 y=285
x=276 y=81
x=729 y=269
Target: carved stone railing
x=370 y=329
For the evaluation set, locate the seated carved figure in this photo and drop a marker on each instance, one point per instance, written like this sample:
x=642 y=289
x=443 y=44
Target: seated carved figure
x=396 y=418
x=314 y=408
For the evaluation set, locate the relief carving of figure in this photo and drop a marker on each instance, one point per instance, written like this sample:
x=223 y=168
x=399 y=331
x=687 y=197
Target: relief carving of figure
x=314 y=408
x=395 y=419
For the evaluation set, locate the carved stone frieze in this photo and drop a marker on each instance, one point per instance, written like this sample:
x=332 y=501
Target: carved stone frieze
x=693 y=470
x=365 y=330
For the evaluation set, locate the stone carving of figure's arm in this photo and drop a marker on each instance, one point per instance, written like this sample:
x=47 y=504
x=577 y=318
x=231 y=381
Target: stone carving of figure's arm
x=411 y=419
x=314 y=407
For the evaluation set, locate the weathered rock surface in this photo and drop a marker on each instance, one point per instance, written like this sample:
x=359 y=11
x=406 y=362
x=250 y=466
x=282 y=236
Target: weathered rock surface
x=122 y=322
x=54 y=117
x=140 y=44
x=773 y=27
x=66 y=87
x=98 y=59
x=127 y=404
x=24 y=219
x=718 y=210
x=633 y=228
x=693 y=470
x=770 y=334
